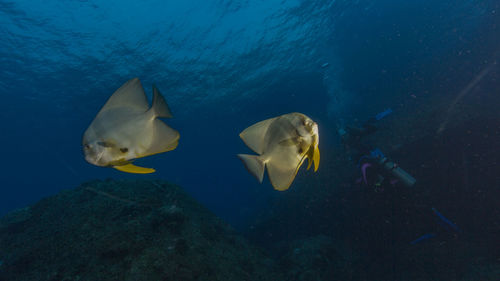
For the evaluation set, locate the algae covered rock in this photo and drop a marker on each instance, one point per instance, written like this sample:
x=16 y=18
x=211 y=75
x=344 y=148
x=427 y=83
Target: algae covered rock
x=320 y=258
x=124 y=230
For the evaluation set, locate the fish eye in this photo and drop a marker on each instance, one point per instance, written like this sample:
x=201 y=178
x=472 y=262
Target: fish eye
x=124 y=149
x=104 y=144
x=86 y=146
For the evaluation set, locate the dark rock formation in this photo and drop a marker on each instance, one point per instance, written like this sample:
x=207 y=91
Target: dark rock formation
x=124 y=230
x=320 y=258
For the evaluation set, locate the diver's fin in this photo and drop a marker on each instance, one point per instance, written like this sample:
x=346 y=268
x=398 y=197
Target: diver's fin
x=130 y=95
x=254 y=165
x=253 y=136
x=133 y=169
x=283 y=164
x=164 y=138
x=160 y=107
x=316 y=158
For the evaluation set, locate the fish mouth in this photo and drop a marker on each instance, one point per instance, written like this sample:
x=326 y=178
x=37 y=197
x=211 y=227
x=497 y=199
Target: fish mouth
x=315 y=130
x=91 y=160
x=95 y=160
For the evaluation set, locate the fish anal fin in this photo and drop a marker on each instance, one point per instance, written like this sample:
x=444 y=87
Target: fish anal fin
x=133 y=169
x=253 y=136
x=283 y=165
x=281 y=177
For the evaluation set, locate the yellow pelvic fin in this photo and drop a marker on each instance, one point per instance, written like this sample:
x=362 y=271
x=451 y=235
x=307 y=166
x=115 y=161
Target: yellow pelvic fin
x=310 y=155
x=133 y=169
x=316 y=158
x=309 y=163
x=313 y=156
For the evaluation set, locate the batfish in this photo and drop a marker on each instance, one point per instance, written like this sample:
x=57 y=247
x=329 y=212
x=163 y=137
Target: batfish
x=126 y=128
x=283 y=143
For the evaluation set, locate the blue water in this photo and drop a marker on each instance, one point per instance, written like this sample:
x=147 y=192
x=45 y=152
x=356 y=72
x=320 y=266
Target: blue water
x=222 y=66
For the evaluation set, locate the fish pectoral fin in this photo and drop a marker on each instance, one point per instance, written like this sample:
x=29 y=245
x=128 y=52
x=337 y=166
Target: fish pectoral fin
x=133 y=169
x=290 y=142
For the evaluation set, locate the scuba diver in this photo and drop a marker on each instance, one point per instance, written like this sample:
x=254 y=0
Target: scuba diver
x=379 y=172
x=376 y=169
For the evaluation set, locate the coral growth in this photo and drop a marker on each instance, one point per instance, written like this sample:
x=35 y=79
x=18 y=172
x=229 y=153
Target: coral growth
x=125 y=230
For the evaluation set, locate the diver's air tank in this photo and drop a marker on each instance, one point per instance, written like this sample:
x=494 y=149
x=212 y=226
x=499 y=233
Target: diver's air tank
x=397 y=172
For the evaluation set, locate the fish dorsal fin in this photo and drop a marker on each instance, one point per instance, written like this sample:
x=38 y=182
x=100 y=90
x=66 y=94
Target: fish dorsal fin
x=164 y=138
x=283 y=164
x=160 y=106
x=253 y=136
x=133 y=169
x=130 y=95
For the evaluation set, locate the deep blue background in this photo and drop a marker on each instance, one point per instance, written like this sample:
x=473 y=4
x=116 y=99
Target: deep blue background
x=222 y=66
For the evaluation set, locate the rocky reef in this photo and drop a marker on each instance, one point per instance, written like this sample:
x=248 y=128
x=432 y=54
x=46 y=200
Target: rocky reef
x=125 y=230
x=320 y=258
x=153 y=230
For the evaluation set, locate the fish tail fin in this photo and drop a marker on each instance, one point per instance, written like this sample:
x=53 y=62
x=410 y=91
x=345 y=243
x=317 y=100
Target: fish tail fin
x=160 y=107
x=254 y=164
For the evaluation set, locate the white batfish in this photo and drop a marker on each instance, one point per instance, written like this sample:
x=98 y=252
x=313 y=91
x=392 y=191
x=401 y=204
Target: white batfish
x=283 y=143
x=126 y=128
